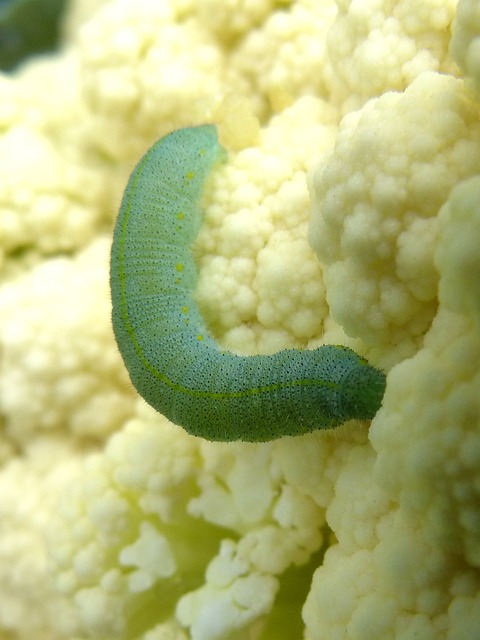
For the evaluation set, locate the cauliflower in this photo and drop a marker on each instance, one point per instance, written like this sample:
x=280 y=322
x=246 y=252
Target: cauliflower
x=167 y=516
x=30 y=490
x=375 y=46
x=465 y=43
x=375 y=205
x=59 y=354
x=347 y=213
x=56 y=193
x=255 y=287
x=285 y=58
x=137 y=76
x=417 y=531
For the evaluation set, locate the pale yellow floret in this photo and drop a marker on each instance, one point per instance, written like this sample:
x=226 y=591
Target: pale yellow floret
x=376 y=199
x=60 y=368
x=465 y=43
x=114 y=524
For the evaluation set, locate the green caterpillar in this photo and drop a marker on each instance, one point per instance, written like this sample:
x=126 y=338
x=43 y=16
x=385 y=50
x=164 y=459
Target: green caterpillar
x=172 y=360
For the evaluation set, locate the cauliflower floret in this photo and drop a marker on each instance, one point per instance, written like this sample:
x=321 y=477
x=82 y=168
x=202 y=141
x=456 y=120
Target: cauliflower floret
x=410 y=552
x=285 y=59
x=145 y=72
x=233 y=597
x=156 y=535
x=56 y=192
x=376 y=46
x=465 y=43
x=60 y=367
x=375 y=201
x=457 y=252
x=259 y=285
x=47 y=203
x=51 y=199
x=205 y=529
x=131 y=499
x=231 y=19
x=30 y=489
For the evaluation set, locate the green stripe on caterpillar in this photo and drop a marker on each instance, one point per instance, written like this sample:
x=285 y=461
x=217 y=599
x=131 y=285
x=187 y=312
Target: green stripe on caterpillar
x=172 y=360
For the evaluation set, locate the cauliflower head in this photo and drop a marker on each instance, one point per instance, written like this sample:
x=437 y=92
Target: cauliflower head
x=417 y=533
x=167 y=518
x=60 y=368
x=375 y=205
x=465 y=43
x=347 y=213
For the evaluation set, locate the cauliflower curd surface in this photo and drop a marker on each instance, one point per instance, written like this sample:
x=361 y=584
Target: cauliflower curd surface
x=347 y=213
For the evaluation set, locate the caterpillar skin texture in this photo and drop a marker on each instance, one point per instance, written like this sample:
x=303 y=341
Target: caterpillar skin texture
x=172 y=360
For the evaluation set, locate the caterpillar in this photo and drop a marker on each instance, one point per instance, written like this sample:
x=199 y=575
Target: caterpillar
x=172 y=360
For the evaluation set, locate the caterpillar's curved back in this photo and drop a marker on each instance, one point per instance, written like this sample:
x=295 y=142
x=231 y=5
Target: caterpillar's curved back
x=172 y=360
